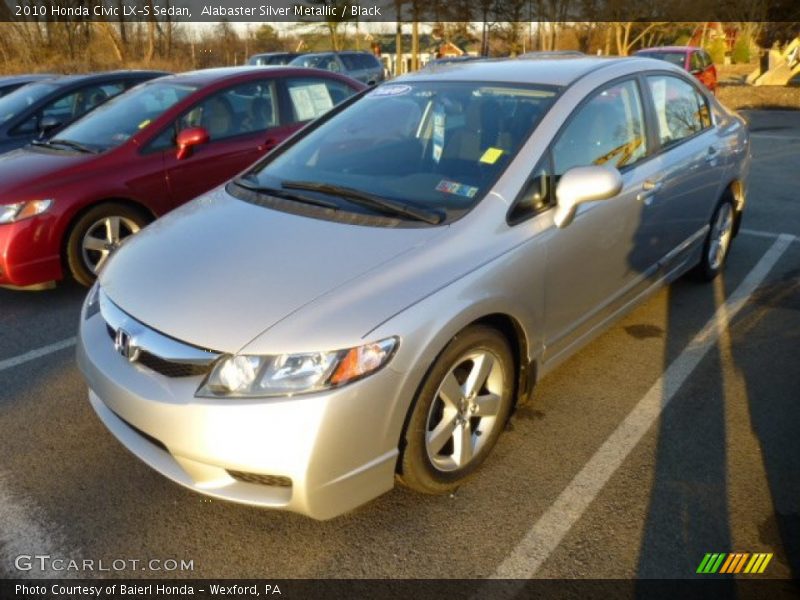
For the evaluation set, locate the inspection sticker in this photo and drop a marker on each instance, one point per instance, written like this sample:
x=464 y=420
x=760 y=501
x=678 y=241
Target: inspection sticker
x=459 y=189
x=390 y=90
x=491 y=155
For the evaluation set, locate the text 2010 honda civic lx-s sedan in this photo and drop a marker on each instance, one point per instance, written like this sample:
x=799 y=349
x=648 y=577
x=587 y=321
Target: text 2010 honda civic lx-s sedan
x=370 y=301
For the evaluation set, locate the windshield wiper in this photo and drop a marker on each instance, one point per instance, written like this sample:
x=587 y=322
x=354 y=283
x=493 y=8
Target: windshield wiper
x=382 y=204
x=283 y=194
x=67 y=143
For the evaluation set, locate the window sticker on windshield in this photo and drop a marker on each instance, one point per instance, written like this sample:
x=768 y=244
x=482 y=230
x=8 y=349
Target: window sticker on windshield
x=144 y=123
x=438 y=132
x=390 y=90
x=459 y=189
x=491 y=155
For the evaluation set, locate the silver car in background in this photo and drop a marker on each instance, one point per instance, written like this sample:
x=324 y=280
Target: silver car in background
x=372 y=300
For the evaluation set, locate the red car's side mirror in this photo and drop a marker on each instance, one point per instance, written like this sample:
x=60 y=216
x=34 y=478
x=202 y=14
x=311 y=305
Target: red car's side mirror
x=188 y=139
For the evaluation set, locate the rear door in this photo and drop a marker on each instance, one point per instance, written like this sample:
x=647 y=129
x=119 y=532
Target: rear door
x=689 y=162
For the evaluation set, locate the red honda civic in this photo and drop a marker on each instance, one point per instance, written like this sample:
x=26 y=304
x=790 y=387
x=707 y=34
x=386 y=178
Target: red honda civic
x=67 y=203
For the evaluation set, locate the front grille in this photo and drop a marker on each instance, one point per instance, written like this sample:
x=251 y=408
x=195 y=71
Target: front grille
x=270 y=480
x=167 y=368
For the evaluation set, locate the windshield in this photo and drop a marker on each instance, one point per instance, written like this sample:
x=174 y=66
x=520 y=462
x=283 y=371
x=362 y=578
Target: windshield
x=116 y=121
x=676 y=58
x=431 y=145
x=17 y=101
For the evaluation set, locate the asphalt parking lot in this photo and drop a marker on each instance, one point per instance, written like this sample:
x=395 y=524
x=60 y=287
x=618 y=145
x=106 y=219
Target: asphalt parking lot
x=672 y=435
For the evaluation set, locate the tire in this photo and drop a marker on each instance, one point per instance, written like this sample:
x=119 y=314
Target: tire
x=96 y=235
x=718 y=242
x=433 y=464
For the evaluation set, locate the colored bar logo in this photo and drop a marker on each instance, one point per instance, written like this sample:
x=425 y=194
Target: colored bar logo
x=734 y=562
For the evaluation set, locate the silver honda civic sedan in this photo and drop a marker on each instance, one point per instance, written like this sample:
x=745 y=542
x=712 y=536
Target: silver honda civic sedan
x=371 y=301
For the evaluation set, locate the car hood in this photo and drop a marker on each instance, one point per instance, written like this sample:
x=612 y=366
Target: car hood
x=219 y=271
x=28 y=169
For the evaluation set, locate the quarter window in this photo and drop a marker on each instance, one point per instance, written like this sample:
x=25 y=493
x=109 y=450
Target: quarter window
x=681 y=111
x=607 y=130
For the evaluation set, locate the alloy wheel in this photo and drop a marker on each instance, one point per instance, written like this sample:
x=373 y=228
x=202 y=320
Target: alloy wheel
x=465 y=410
x=103 y=238
x=721 y=233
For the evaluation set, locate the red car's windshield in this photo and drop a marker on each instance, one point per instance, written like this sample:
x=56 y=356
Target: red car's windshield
x=116 y=121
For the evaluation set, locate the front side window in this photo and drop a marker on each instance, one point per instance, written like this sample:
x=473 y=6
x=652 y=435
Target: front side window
x=247 y=108
x=124 y=116
x=81 y=101
x=607 y=130
x=681 y=111
x=435 y=145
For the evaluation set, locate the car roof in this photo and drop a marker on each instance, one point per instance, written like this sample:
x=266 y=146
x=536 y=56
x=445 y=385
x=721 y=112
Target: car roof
x=209 y=76
x=62 y=80
x=12 y=79
x=559 y=73
x=682 y=49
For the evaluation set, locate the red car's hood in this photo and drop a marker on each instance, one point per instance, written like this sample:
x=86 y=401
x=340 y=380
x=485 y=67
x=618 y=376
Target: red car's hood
x=30 y=169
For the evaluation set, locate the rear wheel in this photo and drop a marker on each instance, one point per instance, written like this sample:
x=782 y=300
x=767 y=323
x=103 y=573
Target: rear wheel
x=718 y=242
x=97 y=235
x=460 y=411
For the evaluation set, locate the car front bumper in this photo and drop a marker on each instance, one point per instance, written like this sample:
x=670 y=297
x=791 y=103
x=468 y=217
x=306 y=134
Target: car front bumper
x=318 y=454
x=27 y=256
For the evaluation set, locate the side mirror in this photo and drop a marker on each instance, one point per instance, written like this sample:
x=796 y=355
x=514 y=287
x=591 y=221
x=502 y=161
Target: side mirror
x=48 y=124
x=584 y=184
x=188 y=139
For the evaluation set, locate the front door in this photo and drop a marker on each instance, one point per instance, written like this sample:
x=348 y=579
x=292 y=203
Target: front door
x=606 y=255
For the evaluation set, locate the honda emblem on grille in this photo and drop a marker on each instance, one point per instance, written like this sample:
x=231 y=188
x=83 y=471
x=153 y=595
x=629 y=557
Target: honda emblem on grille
x=123 y=343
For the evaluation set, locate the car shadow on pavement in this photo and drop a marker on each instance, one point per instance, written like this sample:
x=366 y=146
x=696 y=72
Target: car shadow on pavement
x=727 y=443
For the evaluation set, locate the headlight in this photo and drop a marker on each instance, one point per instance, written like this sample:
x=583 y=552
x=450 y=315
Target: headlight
x=91 y=305
x=243 y=376
x=10 y=213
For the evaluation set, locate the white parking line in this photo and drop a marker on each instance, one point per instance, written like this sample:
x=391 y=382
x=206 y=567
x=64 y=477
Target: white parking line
x=766 y=234
x=21 y=535
x=548 y=532
x=37 y=353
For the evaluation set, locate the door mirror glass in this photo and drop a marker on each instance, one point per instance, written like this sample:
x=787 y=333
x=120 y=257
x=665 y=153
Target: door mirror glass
x=584 y=184
x=188 y=139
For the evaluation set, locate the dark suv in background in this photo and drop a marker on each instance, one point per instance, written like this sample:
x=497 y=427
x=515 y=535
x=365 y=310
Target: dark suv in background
x=362 y=66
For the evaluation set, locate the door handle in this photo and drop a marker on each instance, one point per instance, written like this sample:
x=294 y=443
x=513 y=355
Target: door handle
x=711 y=156
x=650 y=188
x=268 y=144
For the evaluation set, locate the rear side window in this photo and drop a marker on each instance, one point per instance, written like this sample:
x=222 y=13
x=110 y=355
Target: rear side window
x=697 y=62
x=312 y=97
x=607 y=130
x=681 y=111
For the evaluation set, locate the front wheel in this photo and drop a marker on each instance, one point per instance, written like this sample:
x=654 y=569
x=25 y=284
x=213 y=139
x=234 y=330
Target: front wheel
x=718 y=242
x=459 y=413
x=96 y=236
